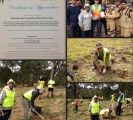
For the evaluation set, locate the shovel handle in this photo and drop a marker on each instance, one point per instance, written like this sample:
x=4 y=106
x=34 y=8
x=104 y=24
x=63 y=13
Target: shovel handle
x=39 y=115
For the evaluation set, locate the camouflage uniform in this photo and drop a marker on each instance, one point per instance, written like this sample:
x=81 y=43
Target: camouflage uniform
x=110 y=22
x=126 y=21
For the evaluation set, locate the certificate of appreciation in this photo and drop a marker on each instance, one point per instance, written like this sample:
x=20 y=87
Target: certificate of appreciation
x=32 y=29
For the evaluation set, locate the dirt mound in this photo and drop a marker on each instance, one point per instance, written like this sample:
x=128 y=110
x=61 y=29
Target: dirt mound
x=121 y=73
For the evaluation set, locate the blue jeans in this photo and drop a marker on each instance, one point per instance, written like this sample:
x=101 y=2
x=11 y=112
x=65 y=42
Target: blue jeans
x=74 y=30
x=93 y=25
x=85 y=34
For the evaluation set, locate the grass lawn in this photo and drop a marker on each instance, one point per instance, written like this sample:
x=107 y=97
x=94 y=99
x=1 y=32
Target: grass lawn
x=80 y=52
x=83 y=113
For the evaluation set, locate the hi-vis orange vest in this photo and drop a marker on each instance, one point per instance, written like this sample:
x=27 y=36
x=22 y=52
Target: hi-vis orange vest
x=96 y=12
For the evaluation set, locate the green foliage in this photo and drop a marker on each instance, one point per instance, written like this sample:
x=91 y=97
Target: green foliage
x=88 y=90
x=28 y=72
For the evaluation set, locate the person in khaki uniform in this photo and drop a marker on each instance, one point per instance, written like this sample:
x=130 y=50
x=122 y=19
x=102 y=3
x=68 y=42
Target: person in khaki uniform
x=126 y=20
x=117 y=10
x=131 y=30
x=103 y=55
x=110 y=20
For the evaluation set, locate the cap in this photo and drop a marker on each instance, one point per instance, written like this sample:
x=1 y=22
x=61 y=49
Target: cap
x=42 y=78
x=99 y=45
x=10 y=81
x=108 y=2
x=87 y=5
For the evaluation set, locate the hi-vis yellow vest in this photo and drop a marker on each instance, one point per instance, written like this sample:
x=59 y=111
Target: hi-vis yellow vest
x=95 y=109
x=9 y=100
x=41 y=85
x=112 y=98
x=51 y=84
x=28 y=95
x=96 y=12
x=122 y=101
x=105 y=50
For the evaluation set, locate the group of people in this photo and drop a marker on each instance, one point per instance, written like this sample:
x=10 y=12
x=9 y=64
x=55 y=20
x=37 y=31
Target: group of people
x=7 y=97
x=117 y=20
x=95 y=106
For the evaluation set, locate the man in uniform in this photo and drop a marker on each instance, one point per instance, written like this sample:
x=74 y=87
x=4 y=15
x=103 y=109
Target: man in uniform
x=117 y=10
x=110 y=20
x=102 y=54
x=94 y=108
x=51 y=84
x=7 y=98
x=126 y=20
x=28 y=99
x=120 y=102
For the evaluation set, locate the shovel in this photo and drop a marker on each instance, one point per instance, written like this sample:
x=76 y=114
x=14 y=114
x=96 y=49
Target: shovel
x=39 y=115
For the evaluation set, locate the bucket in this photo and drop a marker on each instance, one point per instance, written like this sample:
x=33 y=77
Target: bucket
x=37 y=109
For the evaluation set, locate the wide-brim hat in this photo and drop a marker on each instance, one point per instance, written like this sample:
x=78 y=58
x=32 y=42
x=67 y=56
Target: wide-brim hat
x=10 y=81
x=95 y=97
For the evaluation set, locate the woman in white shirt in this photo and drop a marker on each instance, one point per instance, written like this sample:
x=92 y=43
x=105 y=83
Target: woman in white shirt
x=85 y=21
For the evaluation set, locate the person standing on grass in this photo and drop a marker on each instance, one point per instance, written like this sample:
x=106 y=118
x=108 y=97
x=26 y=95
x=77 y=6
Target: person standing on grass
x=94 y=108
x=85 y=21
x=75 y=105
x=112 y=100
x=51 y=84
x=120 y=102
x=7 y=98
x=28 y=99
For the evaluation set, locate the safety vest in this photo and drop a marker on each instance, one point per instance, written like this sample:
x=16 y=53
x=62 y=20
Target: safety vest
x=105 y=50
x=112 y=98
x=41 y=84
x=122 y=101
x=9 y=100
x=28 y=95
x=96 y=12
x=95 y=108
x=51 y=84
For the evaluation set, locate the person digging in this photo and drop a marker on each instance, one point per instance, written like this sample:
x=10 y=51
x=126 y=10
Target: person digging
x=28 y=99
x=102 y=59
